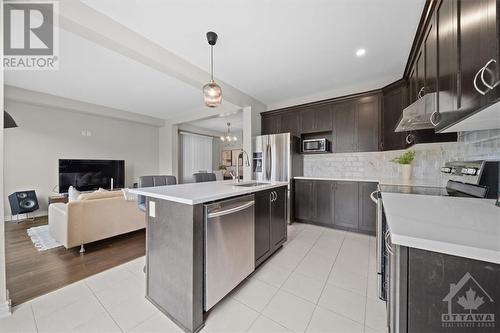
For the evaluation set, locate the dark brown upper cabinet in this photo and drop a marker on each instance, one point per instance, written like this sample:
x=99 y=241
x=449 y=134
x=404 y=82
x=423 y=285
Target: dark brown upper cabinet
x=271 y=124
x=367 y=123
x=394 y=101
x=356 y=124
x=344 y=127
x=478 y=42
x=420 y=72
x=290 y=123
x=430 y=60
x=447 y=45
x=316 y=119
x=412 y=85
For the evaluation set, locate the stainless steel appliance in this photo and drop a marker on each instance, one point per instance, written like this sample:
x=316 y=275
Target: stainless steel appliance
x=277 y=157
x=476 y=179
x=315 y=145
x=229 y=246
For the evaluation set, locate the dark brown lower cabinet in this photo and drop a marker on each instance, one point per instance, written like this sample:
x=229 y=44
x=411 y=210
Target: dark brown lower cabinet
x=278 y=218
x=262 y=225
x=366 y=207
x=339 y=204
x=303 y=199
x=323 y=196
x=438 y=293
x=270 y=222
x=345 y=205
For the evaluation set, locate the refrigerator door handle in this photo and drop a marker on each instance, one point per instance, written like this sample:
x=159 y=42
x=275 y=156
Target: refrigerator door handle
x=268 y=162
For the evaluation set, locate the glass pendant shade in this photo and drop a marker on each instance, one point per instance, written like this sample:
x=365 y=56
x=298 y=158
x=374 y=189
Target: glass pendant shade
x=212 y=94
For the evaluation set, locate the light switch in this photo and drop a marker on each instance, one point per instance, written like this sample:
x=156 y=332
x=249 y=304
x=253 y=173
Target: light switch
x=152 y=209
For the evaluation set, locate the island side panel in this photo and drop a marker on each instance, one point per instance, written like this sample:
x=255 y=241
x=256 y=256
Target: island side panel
x=175 y=262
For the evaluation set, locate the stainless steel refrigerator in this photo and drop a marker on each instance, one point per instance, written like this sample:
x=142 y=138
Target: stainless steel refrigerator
x=277 y=157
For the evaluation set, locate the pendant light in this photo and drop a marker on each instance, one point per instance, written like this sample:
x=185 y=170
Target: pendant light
x=212 y=93
x=228 y=136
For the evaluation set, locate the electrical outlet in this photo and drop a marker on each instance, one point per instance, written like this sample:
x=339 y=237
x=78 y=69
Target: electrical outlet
x=152 y=209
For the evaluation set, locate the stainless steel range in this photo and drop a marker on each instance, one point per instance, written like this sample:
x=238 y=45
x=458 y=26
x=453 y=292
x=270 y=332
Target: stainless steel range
x=475 y=179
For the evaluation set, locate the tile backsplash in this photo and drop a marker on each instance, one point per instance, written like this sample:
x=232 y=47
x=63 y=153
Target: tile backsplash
x=428 y=159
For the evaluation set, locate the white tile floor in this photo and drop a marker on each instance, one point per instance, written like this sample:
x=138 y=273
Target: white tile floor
x=323 y=280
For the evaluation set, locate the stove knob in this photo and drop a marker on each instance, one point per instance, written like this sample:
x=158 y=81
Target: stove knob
x=472 y=171
x=445 y=170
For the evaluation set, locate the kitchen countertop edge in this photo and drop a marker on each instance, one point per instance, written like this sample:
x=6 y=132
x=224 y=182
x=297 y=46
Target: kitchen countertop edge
x=216 y=196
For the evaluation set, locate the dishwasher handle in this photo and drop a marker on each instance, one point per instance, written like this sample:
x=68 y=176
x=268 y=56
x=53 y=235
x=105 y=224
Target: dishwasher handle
x=232 y=210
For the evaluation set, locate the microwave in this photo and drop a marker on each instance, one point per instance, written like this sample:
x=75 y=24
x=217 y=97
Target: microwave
x=316 y=146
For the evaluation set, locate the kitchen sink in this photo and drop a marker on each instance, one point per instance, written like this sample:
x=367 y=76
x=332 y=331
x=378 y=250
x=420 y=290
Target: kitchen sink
x=250 y=184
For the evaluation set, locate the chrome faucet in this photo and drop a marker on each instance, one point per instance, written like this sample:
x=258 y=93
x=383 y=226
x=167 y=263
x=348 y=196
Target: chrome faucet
x=241 y=153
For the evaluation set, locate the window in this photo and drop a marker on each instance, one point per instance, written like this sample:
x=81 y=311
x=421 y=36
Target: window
x=196 y=155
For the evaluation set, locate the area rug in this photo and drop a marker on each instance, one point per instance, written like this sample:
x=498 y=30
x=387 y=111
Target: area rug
x=41 y=238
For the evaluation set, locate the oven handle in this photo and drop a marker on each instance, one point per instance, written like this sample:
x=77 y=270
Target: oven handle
x=379 y=244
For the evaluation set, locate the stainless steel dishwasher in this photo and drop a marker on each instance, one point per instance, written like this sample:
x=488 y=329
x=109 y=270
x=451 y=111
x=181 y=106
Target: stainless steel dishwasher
x=229 y=246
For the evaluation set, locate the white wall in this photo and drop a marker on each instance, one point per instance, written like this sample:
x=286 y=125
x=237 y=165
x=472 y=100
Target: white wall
x=4 y=297
x=47 y=134
x=168 y=150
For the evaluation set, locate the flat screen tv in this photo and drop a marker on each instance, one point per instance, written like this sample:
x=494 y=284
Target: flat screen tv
x=88 y=175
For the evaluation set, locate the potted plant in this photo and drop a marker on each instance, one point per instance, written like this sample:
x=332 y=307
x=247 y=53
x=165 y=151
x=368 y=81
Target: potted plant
x=405 y=161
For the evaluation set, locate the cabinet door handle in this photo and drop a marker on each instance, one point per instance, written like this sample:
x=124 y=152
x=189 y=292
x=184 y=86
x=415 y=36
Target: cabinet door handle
x=485 y=68
x=482 y=92
x=410 y=138
x=421 y=93
x=275 y=196
x=435 y=118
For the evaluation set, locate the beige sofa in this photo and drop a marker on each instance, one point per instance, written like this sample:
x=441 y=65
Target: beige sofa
x=94 y=216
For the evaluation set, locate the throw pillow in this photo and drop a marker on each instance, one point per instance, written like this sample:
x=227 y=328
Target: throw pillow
x=129 y=196
x=100 y=189
x=73 y=194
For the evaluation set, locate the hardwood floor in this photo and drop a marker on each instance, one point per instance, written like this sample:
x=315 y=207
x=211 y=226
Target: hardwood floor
x=31 y=273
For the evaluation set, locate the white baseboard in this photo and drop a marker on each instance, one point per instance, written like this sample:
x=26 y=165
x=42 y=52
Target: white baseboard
x=24 y=216
x=5 y=309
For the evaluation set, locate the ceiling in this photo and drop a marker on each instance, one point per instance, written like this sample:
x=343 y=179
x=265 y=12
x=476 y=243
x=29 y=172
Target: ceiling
x=278 y=50
x=91 y=73
x=219 y=123
x=274 y=51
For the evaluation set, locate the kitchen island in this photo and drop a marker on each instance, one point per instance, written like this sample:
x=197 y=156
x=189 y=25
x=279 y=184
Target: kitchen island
x=184 y=256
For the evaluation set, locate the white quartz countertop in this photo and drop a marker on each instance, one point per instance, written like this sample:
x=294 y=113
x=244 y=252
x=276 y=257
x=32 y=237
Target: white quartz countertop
x=382 y=181
x=465 y=227
x=196 y=193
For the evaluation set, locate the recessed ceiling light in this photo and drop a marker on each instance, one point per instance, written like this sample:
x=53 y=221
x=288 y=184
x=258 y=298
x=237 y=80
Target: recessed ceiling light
x=360 y=52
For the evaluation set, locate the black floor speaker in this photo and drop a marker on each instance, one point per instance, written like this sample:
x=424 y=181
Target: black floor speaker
x=23 y=202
